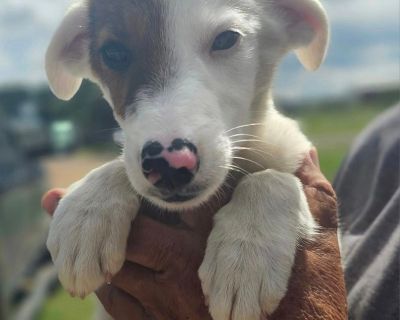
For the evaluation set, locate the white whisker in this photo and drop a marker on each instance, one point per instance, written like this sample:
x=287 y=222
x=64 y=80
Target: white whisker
x=234 y=168
x=248 y=140
x=251 y=161
x=261 y=153
x=244 y=134
x=245 y=126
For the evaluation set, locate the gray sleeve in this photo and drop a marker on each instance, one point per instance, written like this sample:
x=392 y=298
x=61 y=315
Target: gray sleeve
x=368 y=189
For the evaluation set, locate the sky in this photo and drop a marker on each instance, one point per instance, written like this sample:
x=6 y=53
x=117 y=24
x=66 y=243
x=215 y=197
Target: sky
x=364 y=49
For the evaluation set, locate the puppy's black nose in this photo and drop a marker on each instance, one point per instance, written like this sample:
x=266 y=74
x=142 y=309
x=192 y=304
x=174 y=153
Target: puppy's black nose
x=172 y=167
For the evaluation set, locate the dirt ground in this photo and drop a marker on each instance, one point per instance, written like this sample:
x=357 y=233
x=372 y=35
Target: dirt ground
x=62 y=171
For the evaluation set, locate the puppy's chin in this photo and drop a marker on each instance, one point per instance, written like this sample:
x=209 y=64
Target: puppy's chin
x=176 y=205
x=183 y=201
x=179 y=202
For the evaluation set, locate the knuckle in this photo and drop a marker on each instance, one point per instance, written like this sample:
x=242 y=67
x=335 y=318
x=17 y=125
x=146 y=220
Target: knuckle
x=107 y=297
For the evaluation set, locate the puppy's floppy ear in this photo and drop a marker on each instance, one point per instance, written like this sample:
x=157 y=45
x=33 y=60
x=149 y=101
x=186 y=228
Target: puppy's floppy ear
x=67 y=57
x=307 y=27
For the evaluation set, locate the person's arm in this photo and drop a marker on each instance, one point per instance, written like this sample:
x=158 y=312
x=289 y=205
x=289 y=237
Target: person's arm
x=160 y=280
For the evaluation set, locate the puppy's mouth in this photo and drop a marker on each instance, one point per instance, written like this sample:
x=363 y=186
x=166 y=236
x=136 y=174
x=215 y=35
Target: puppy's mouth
x=179 y=198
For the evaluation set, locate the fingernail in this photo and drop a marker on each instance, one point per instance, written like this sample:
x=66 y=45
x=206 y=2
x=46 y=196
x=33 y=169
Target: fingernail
x=108 y=278
x=314 y=156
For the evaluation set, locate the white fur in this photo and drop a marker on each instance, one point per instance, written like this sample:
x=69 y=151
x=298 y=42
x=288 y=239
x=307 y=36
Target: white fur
x=67 y=58
x=88 y=233
x=252 y=246
x=313 y=52
x=221 y=102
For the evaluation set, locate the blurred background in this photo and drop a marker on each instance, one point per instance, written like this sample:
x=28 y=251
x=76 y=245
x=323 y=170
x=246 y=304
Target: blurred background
x=47 y=143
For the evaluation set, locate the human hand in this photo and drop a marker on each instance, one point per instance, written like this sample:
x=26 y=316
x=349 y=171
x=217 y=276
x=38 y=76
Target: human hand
x=160 y=281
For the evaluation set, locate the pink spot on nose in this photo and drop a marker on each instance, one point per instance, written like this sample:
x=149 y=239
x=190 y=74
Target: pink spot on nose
x=181 y=159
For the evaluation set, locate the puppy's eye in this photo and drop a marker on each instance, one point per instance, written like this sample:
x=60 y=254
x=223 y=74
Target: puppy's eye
x=225 y=40
x=116 y=56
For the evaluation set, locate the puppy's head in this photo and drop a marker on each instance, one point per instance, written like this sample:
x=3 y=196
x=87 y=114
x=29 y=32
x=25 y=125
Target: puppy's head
x=180 y=75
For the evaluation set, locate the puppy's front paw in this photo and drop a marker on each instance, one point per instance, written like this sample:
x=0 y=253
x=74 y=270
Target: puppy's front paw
x=87 y=240
x=243 y=277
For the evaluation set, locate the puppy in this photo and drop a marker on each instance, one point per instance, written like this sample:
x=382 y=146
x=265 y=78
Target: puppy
x=189 y=83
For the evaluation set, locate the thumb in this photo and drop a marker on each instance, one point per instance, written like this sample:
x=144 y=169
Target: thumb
x=311 y=176
x=51 y=199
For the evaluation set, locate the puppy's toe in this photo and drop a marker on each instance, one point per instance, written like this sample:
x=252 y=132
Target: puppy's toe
x=53 y=245
x=271 y=294
x=206 y=274
x=235 y=298
x=247 y=303
x=220 y=306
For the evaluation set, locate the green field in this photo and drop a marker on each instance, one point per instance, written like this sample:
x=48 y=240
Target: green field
x=333 y=131
x=62 y=307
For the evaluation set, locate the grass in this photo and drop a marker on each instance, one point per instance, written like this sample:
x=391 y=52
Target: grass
x=62 y=307
x=20 y=208
x=333 y=131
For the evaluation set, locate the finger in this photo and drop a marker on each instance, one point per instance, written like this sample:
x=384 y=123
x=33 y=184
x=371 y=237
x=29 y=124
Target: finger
x=148 y=243
x=323 y=207
x=150 y=288
x=321 y=197
x=120 y=305
x=137 y=281
x=314 y=157
x=311 y=176
x=51 y=199
x=141 y=283
x=159 y=247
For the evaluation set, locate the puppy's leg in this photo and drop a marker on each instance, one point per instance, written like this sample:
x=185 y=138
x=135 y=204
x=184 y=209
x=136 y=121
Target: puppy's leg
x=89 y=230
x=252 y=246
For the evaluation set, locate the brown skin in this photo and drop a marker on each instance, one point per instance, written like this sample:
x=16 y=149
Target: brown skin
x=159 y=279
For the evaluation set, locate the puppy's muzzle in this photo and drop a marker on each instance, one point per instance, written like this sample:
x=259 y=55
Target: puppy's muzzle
x=170 y=168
